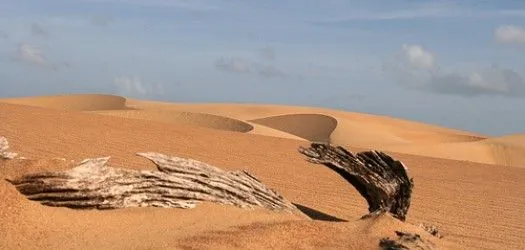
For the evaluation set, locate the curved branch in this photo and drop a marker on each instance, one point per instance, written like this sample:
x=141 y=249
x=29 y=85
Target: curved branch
x=381 y=180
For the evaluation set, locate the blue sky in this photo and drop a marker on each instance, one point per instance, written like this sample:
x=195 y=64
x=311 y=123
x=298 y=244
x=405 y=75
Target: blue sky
x=459 y=64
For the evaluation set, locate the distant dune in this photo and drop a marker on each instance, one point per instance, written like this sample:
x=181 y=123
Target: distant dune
x=304 y=123
x=79 y=102
x=188 y=118
x=507 y=150
x=312 y=127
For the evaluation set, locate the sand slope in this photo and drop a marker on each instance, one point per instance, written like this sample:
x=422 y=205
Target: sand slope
x=188 y=118
x=361 y=130
x=79 y=102
x=312 y=127
x=305 y=123
x=476 y=206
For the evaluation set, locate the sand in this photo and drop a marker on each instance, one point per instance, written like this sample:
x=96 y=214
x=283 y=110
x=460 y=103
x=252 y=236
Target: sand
x=469 y=185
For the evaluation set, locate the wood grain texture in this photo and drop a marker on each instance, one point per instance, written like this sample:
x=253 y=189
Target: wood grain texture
x=178 y=183
x=381 y=180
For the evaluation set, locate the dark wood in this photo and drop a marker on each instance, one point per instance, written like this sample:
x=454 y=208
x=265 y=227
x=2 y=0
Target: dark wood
x=380 y=179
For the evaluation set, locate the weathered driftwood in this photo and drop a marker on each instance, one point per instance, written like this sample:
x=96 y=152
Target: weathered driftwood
x=4 y=147
x=179 y=183
x=381 y=180
x=405 y=241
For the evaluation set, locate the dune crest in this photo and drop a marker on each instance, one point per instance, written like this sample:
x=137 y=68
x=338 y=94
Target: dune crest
x=312 y=127
x=182 y=117
x=304 y=123
x=77 y=102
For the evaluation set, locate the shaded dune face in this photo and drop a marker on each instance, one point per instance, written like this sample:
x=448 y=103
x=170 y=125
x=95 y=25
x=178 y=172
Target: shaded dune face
x=187 y=118
x=79 y=102
x=312 y=127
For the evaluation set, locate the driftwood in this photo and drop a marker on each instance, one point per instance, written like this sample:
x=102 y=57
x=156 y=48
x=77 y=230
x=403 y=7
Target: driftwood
x=381 y=180
x=178 y=183
x=4 y=147
x=405 y=241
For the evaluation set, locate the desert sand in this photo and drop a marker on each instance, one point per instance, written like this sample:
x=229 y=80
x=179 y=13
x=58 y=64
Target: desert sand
x=469 y=185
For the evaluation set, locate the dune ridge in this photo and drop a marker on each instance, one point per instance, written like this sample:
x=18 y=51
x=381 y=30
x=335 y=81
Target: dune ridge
x=304 y=123
x=312 y=127
x=77 y=102
x=188 y=118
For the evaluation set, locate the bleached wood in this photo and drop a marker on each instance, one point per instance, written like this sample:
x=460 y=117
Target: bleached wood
x=4 y=150
x=178 y=183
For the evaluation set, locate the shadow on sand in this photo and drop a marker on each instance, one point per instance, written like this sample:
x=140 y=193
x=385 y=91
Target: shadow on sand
x=317 y=215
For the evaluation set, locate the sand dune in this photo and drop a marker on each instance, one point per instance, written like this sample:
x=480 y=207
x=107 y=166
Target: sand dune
x=476 y=206
x=507 y=150
x=188 y=118
x=305 y=123
x=312 y=127
x=79 y=102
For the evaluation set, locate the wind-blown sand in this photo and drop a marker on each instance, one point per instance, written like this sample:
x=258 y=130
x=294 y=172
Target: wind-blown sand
x=476 y=206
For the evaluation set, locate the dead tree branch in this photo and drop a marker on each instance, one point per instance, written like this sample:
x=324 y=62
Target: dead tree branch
x=178 y=183
x=381 y=180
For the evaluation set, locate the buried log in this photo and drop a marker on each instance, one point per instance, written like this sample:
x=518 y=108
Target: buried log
x=381 y=180
x=178 y=183
x=4 y=147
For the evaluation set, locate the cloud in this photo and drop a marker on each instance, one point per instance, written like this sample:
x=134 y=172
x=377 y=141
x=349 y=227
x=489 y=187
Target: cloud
x=271 y=72
x=243 y=66
x=37 y=30
x=418 y=57
x=235 y=65
x=424 y=10
x=510 y=34
x=31 y=54
x=101 y=20
x=133 y=86
x=267 y=53
x=415 y=68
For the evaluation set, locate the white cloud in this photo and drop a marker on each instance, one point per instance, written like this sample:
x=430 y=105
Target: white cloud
x=233 y=64
x=415 y=68
x=271 y=72
x=133 y=86
x=242 y=66
x=510 y=34
x=425 y=10
x=418 y=57
x=31 y=54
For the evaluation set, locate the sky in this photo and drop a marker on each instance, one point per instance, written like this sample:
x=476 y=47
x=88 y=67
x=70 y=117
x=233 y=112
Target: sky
x=458 y=64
